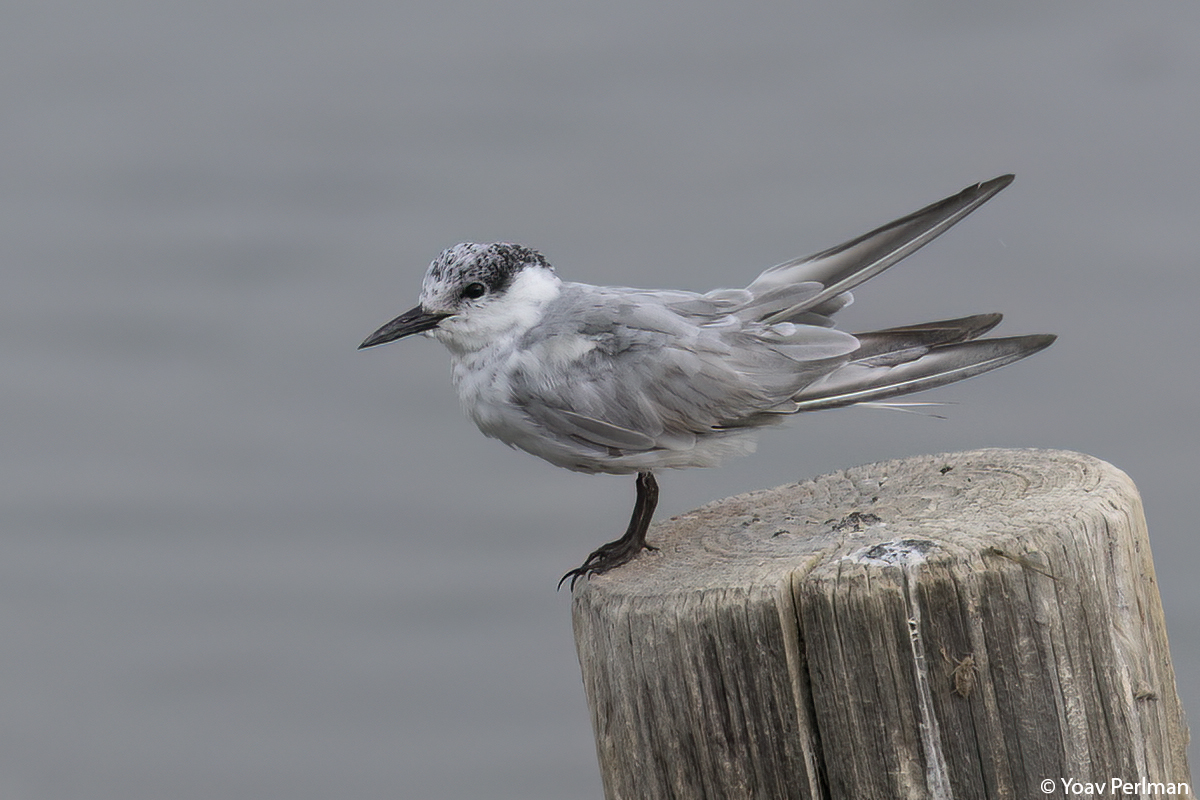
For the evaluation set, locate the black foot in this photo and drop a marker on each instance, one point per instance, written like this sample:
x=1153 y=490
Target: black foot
x=622 y=551
x=607 y=556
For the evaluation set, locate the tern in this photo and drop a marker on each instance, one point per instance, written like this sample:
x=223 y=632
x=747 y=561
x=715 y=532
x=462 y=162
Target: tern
x=629 y=381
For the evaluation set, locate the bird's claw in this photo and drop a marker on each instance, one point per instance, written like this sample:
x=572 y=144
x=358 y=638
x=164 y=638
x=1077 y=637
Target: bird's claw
x=604 y=558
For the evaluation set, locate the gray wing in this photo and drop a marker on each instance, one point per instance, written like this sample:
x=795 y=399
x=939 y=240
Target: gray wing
x=915 y=369
x=634 y=371
x=630 y=371
x=812 y=288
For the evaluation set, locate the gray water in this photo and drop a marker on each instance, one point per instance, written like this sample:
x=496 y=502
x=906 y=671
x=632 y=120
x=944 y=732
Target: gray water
x=240 y=560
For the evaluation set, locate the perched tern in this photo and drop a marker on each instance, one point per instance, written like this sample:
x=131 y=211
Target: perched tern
x=616 y=380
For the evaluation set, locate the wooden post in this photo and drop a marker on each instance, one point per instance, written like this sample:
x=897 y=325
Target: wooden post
x=956 y=626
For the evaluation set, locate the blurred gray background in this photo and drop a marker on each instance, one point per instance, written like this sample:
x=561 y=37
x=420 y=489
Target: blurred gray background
x=241 y=560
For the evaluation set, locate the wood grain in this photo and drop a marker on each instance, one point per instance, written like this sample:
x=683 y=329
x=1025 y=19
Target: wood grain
x=954 y=626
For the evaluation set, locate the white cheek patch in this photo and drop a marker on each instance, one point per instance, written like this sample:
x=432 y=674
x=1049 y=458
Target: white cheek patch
x=504 y=316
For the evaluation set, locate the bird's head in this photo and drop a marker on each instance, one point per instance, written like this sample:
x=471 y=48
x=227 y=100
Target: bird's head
x=475 y=293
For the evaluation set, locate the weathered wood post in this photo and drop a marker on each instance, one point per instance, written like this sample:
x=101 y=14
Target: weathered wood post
x=967 y=625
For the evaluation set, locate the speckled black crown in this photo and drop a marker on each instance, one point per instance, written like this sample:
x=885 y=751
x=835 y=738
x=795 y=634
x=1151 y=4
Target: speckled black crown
x=494 y=265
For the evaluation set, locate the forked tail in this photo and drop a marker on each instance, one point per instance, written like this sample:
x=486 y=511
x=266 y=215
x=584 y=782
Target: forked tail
x=913 y=358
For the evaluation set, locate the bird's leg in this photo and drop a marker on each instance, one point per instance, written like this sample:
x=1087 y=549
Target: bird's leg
x=623 y=550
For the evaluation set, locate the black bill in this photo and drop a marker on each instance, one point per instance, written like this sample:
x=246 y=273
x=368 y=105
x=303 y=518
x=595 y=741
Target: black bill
x=414 y=320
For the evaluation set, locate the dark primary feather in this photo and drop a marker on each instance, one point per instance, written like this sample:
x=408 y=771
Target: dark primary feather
x=841 y=268
x=860 y=381
x=925 y=335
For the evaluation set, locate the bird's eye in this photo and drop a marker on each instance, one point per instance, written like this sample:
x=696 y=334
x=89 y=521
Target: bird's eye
x=474 y=291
